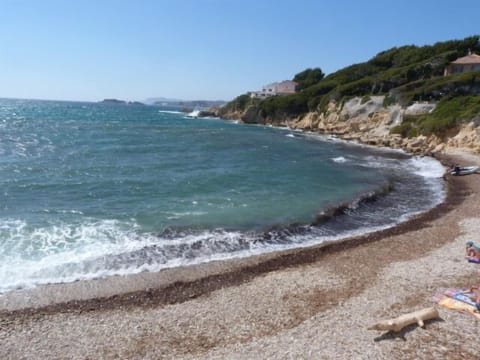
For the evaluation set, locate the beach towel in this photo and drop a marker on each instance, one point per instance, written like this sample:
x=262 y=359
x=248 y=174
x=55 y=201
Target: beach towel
x=457 y=299
x=461 y=295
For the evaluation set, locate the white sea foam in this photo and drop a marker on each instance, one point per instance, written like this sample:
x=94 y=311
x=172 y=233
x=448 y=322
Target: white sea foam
x=66 y=254
x=375 y=162
x=169 y=112
x=290 y=135
x=38 y=256
x=177 y=215
x=339 y=159
x=432 y=171
x=427 y=167
x=193 y=114
x=71 y=265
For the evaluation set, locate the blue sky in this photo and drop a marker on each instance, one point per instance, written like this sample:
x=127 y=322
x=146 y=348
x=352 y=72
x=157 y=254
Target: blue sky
x=203 y=49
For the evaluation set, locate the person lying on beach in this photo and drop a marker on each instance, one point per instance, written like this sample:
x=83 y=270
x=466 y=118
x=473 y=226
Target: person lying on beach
x=472 y=251
x=475 y=290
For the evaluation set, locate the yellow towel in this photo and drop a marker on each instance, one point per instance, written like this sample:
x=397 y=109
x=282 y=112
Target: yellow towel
x=454 y=304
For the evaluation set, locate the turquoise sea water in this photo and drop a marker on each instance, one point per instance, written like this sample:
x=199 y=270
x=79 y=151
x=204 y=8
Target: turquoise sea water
x=91 y=190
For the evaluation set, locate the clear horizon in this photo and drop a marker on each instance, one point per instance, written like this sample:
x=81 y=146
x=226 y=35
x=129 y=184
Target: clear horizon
x=204 y=49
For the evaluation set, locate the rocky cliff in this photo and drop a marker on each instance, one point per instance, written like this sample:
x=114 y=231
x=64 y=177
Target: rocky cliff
x=368 y=121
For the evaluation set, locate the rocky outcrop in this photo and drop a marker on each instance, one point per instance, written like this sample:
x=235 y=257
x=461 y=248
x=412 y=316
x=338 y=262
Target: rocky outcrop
x=208 y=113
x=252 y=116
x=468 y=137
x=369 y=122
x=229 y=115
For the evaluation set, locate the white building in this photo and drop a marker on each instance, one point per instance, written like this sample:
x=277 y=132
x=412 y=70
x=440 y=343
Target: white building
x=285 y=87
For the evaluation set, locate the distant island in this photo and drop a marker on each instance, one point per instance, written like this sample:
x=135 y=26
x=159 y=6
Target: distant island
x=120 y=102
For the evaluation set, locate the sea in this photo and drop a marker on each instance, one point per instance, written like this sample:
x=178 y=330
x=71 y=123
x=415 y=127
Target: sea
x=90 y=190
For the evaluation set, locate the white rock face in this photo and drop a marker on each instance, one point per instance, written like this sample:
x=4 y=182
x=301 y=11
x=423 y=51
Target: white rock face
x=354 y=107
x=420 y=108
x=368 y=121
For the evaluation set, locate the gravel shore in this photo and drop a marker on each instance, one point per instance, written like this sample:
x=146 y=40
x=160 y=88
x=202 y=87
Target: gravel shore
x=313 y=303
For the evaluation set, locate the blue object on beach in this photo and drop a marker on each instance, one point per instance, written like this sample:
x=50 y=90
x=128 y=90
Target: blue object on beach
x=465 y=297
x=475 y=261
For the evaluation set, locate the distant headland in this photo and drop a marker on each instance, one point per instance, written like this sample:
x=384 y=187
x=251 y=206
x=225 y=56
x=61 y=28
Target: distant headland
x=194 y=104
x=186 y=105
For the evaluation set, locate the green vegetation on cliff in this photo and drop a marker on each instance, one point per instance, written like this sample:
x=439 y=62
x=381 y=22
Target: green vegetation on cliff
x=403 y=74
x=450 y=112
x=308 y=78
x=239 y=104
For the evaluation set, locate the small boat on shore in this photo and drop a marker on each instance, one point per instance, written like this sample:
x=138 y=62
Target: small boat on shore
x=465 y=170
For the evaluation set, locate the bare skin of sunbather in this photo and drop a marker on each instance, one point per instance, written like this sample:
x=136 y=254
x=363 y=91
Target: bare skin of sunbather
x=472 y=251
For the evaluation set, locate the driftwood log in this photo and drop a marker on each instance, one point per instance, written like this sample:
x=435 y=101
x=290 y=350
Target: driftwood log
x=400 y=322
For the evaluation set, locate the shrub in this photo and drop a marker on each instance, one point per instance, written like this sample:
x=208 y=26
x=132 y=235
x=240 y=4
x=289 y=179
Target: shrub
x=449 y=113
x=365 y=99
x=388 y=100
x=409 y=127
x=281 y=106
x=308 y=78
x=402 y=129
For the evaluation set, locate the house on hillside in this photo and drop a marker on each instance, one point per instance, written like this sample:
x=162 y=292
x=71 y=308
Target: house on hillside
x=285 y=87
x=468 y=63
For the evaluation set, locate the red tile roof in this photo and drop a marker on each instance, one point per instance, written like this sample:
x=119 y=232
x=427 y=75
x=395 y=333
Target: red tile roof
x=469 y=59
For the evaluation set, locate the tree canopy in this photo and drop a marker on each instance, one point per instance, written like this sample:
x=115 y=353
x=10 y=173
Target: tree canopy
x=308 y=78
